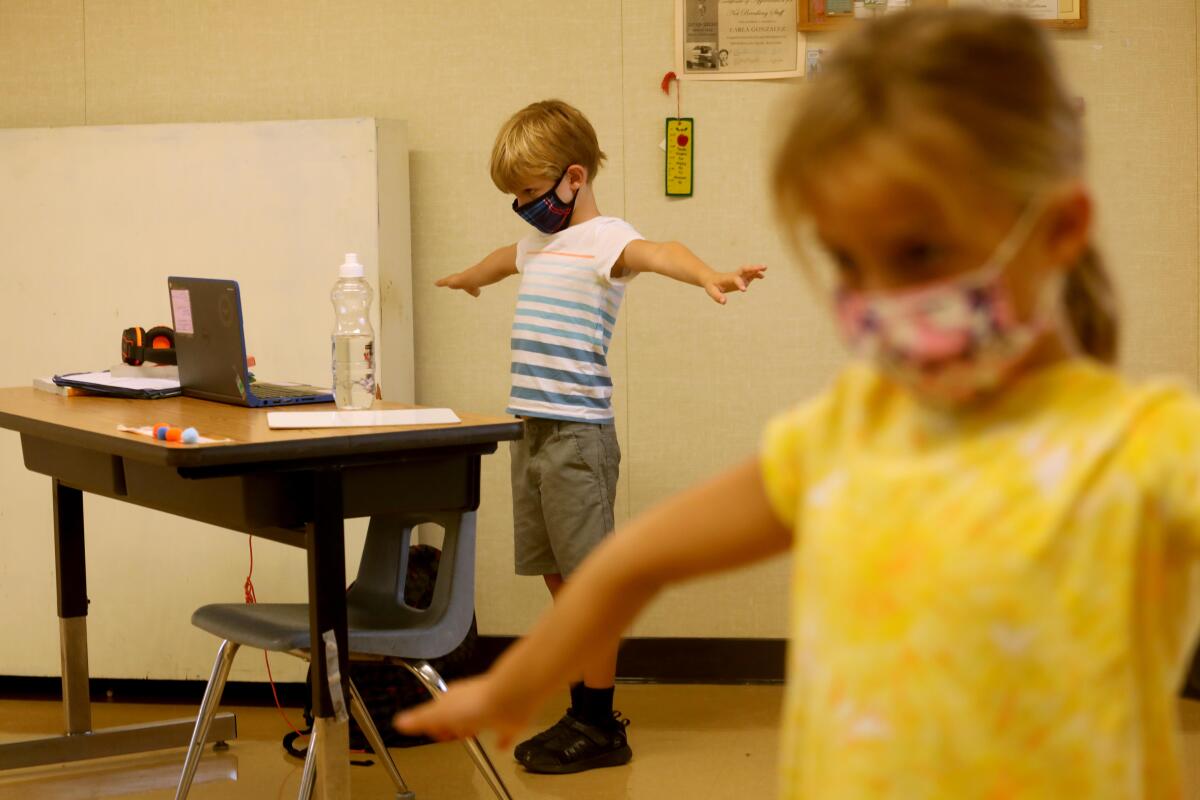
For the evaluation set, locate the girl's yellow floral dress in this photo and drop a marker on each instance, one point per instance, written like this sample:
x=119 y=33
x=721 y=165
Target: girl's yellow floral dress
x=992 y=604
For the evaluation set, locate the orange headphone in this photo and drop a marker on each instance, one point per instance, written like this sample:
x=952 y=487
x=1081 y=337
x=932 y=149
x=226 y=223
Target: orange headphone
x=156 y=345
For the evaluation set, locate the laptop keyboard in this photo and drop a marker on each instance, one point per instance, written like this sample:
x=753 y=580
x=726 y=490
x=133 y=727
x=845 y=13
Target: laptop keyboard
x=271 y=390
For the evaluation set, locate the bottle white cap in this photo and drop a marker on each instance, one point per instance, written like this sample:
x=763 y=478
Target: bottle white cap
x=351 y=269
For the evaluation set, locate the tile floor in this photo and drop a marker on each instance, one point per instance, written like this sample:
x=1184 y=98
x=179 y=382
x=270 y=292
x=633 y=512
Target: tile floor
x=689 y=742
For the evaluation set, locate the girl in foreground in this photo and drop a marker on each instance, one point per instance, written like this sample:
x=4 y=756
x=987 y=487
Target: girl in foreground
x=994 y=535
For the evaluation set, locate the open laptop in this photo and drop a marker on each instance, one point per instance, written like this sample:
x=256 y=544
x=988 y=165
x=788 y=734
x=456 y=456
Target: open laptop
x=210 y=345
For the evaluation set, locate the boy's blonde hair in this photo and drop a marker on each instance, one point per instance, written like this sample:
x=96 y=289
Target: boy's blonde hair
x=541 y=141
x=953 y=89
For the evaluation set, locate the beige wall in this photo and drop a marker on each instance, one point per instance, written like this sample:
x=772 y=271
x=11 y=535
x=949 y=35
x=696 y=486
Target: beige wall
x=695 y=382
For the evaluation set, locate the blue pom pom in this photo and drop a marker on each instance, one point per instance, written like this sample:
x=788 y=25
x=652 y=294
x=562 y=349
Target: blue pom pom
x=161 y=432
x=190 y=436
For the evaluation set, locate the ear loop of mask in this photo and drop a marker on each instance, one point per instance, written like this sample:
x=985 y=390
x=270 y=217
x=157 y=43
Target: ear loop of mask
x=558 y=183
x=1048 y=306
x=1017 y=237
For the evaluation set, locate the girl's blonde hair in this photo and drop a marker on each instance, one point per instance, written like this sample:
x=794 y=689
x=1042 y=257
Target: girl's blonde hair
x=932 y=82
x=541 y=141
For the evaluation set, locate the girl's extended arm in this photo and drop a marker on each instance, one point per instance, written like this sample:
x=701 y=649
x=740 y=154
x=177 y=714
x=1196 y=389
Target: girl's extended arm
x=716 y=526
x=675 y=260
x=495 y=267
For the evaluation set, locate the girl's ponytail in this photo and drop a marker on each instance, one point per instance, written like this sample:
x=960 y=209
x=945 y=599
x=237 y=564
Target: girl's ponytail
x=1091 y=307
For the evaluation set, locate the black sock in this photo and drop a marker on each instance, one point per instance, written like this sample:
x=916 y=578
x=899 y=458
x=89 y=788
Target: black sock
x=593 y=706
x=576 y=698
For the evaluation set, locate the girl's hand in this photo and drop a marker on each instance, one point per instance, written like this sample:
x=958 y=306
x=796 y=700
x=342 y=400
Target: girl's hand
x=470 y=706
x=459 y=280
x=718 y=283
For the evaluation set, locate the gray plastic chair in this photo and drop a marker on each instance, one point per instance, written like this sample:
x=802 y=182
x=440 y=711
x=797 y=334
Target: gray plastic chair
x=379 y=624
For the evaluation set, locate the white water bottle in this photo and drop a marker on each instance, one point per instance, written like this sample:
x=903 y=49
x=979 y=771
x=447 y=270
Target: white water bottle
x=353 y=338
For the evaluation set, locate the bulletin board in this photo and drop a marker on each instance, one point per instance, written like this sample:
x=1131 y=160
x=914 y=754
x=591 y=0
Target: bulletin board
x=1071 y=14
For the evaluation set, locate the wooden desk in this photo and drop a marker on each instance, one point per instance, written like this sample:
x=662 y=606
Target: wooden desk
x=292 y=486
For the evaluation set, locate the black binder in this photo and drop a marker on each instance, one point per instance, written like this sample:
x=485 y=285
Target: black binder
x=95 y=383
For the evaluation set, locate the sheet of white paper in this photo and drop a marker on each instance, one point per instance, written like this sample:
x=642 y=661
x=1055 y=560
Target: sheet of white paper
x=361 y=419
x=105 y=378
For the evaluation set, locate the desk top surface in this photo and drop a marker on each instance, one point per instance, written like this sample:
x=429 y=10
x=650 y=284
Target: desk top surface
x=91 y=422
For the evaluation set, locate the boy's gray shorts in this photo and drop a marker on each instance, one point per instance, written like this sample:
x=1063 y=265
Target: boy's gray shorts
x=564 y=483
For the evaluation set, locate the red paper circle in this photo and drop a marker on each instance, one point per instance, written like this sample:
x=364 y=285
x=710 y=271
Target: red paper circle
x=681 y=140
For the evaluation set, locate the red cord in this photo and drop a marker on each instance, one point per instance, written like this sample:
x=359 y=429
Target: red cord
x=252 y=598
x=274 y=693
x=248 y=586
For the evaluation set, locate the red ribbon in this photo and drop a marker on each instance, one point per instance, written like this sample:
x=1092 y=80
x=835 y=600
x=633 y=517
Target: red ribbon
x=666 y=87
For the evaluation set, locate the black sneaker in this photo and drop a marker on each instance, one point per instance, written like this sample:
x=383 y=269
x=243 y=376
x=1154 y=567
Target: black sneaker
x=522 y=750
x=575 y=746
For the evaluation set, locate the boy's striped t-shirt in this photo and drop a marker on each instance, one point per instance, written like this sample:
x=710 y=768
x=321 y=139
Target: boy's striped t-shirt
x=567 y=306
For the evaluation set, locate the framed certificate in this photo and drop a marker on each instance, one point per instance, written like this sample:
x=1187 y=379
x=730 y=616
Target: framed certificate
x=719 y=40
x=820 y=15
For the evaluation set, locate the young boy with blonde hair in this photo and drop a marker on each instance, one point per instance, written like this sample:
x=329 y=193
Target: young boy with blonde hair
x=574 y=269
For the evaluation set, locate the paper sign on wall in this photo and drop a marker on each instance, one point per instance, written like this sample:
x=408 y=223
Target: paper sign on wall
x=681 y=142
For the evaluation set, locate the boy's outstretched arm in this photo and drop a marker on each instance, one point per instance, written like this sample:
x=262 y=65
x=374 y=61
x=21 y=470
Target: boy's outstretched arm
x=724 y=523
x=675 y=260
x=494 y=268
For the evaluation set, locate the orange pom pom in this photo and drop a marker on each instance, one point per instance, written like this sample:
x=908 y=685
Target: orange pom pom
x=174 y=434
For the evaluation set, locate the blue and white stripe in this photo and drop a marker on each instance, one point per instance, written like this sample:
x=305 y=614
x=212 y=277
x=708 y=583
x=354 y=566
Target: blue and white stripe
x=566 y=311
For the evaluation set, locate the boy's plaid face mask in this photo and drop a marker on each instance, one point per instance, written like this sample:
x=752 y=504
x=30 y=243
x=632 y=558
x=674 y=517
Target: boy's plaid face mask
x=952 y=341
x=548 y=213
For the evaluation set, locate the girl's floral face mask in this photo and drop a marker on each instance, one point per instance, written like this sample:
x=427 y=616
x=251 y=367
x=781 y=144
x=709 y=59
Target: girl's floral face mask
x=952 y=341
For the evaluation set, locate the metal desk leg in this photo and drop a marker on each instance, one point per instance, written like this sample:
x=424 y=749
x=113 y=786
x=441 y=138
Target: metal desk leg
x=327 y=612
x=71 y=572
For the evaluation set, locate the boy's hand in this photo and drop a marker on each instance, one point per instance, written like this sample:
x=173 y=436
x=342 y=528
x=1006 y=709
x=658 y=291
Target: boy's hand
x=718 y=283
x=469 y=707
x=459 y=280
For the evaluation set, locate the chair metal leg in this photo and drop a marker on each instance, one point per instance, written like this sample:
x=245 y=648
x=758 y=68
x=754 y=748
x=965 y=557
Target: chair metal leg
x=308 y=778
x=433 y=682
x=486 y=768
x=208 y=710
x=363 y=717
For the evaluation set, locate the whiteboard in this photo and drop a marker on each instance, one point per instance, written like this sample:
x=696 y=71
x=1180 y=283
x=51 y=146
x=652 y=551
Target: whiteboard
x=92 y=221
